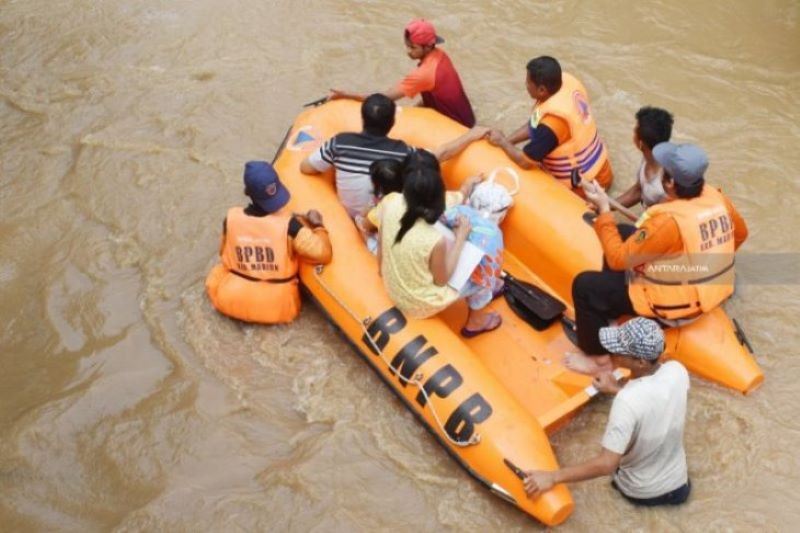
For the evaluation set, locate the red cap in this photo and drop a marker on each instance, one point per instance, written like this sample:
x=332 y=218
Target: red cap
x=422 y=32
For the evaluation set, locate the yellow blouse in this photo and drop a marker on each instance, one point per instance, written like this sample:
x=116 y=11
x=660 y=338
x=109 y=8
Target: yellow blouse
x=406 y=265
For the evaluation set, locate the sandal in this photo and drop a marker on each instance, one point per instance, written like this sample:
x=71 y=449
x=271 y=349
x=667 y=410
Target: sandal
x=469 y=333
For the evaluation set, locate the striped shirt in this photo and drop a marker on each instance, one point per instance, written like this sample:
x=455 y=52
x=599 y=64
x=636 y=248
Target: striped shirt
x=351 y=154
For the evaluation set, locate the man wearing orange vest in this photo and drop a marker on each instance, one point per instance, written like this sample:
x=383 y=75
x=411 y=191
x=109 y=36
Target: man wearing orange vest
x=677 y=265
x=562 y=134
x=261 y=243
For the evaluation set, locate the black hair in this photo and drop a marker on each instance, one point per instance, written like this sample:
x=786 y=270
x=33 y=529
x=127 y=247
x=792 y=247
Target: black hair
x=653 y=125
x=386 y=176
x=686 y=192
x=377 y=114
x=423 y=190
x=691 y=191
x=422 y=158
x=545 y=70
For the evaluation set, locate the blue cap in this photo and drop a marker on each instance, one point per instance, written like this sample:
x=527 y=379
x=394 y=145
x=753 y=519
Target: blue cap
x=262 y=185
x=685 y=163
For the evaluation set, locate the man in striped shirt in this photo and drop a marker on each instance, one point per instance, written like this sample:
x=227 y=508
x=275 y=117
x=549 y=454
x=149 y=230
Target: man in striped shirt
x=351 y=154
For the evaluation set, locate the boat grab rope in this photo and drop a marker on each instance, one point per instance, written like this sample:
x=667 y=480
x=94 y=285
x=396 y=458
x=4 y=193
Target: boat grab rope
x=416 y=380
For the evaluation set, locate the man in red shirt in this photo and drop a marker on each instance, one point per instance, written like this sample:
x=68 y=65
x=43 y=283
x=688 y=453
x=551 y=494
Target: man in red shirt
x=435 y=77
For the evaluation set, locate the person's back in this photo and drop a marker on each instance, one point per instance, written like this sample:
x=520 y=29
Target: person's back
x=256 y=280
x=646 y=427
x=256 y=246
x=351 y=154
x=257 y=266
x=418 y=262
x=405 y=264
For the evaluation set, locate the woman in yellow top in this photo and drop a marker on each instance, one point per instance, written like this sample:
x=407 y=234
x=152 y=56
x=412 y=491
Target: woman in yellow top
x=417 y=260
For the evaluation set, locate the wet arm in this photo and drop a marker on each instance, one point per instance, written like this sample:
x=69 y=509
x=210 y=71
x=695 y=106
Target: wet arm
x=320 y=160
x=519 y=135
x=307 y=168
x=632 y=196
x=603 y=464
x=339 y=94
x=459 y=144
x=393 y=93
x=544 y=141
x=516 y=155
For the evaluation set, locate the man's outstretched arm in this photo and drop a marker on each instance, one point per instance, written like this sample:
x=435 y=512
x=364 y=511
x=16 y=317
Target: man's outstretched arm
x=540 y=481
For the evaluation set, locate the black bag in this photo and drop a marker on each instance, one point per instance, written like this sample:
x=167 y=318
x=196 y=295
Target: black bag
x=532 y=304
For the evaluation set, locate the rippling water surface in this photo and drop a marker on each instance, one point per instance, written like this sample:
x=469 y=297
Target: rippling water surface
x=127 y=403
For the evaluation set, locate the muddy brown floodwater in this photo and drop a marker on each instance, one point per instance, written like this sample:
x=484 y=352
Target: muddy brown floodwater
x=128 y=404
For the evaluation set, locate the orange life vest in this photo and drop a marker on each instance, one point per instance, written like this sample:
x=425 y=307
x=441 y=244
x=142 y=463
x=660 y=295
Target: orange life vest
x=699 y=278
x=257 y=280
x=584 y=150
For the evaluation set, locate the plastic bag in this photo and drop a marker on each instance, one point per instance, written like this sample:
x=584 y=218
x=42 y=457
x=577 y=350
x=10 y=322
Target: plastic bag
x=492 y=199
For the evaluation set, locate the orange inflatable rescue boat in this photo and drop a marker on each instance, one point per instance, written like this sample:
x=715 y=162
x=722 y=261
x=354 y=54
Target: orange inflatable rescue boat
x=490 y=400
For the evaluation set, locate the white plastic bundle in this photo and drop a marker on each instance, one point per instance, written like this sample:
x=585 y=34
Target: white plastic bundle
x=492 y=199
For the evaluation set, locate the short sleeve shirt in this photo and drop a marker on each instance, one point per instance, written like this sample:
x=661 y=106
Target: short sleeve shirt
x=645 y=426
x=437 y=80
x=405 y=265
x=351 y=154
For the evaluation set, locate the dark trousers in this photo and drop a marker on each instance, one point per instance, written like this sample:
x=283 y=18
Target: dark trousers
x=673 y=497
x=600 y=297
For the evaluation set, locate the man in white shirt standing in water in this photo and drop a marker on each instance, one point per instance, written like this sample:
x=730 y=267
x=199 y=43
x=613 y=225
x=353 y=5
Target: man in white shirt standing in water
x=643 y=441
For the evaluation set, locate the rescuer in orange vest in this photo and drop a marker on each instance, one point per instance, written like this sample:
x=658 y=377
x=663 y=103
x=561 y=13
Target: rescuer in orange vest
x=261 y=243
x=677 y=264
x=562 y=133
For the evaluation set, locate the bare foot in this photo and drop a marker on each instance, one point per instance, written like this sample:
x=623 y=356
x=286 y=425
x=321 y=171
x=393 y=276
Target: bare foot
x=585 y=364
